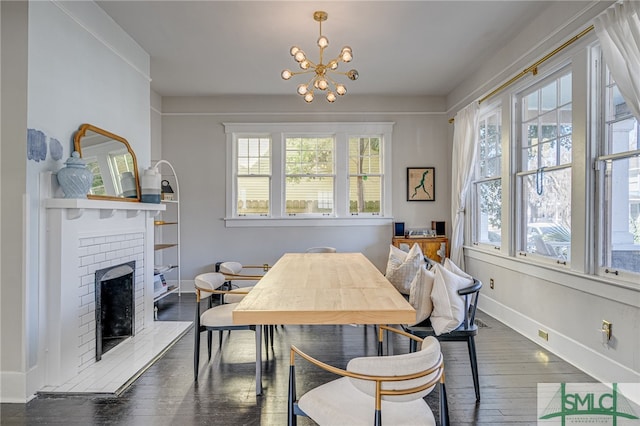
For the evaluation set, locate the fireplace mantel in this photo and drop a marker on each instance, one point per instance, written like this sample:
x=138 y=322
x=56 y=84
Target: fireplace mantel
x=75 y=207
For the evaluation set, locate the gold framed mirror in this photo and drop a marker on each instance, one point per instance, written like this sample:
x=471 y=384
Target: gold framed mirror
x=112 y=162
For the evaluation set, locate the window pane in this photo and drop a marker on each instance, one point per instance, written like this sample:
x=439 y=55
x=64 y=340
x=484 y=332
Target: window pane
x=622 y=185
x=623 y=136
x=97 y=186
x=254 y=156
x=488 y=193
x=550 y=128
x=530 y=106
x=364 y=194
x=309 y=156
x=310 y=195
x=253 y=195
x=488 y=220
x=489 y=148
x=365 y=174
x=547 y=213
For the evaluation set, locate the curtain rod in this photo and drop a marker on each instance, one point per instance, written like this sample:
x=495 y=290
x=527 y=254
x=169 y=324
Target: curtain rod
x=533 y=69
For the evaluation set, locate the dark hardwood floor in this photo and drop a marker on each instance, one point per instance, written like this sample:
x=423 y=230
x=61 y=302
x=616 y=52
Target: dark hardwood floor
x=510 y=367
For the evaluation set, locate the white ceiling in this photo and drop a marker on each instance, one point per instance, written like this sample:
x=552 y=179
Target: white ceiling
x=240 y=47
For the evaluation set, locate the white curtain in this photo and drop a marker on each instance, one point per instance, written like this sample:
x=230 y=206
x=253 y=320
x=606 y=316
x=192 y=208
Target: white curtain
x=462 y=165
x=618 y=29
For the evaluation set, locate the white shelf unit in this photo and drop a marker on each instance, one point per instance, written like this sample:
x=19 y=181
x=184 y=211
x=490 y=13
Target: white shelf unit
x=167 y=238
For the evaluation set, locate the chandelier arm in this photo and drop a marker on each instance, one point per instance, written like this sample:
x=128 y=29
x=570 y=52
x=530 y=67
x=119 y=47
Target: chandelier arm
x=332 y=81
x=301 y=72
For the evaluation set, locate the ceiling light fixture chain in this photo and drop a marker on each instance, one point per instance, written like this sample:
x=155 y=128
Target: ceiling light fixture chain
x=321 y=79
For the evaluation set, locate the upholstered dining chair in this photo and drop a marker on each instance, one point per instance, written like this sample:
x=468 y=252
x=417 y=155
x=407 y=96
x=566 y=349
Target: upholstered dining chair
x=321 y=250
x=381 y=389
x=236 y=271
x=466 y=332
x=219 y=318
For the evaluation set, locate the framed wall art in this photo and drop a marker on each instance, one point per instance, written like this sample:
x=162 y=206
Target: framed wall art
x=421 y=184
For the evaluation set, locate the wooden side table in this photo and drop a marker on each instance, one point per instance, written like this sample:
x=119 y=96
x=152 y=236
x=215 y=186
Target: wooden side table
x=428 y=245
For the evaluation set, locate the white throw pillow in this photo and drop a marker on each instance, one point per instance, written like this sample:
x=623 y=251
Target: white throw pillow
x=449 y=265
x=420 y=296
x=402 y=267
x=448 y=305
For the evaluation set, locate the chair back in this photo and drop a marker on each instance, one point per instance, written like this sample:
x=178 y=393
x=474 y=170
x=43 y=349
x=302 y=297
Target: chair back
x=426 y=363
x=321 y=250
x=230 y=268
x=470 y=295
x=207 y=282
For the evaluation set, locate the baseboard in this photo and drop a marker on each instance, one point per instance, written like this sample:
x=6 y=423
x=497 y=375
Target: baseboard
x=13 y=388
x=586 y=359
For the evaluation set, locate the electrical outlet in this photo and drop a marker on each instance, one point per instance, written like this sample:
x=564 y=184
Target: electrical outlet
x=491 y=283
x=543 y=334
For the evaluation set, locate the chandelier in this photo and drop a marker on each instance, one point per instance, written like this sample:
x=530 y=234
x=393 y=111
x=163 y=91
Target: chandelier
x=322 y=73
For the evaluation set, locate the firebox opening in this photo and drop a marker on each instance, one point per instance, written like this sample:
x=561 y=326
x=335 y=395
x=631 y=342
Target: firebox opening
x=115 y=306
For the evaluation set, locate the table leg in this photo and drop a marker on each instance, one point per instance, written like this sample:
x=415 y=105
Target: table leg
x=258 y=360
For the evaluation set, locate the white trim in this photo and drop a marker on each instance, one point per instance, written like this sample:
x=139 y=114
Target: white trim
x=13 y=387
x=257 y=222
x=277 y=132
x=609 y=289
x=586 y=359
x=300 y=113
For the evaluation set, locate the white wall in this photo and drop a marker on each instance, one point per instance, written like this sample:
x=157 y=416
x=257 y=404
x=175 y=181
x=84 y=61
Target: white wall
x=568 y=303
x=193 y=140
x=13 y=185
x=82 y=68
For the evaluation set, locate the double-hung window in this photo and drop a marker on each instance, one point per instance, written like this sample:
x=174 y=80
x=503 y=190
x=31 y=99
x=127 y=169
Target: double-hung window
x=253 y=175
x=309 y=175
x=619 y=164
x=487 y=199
x=365 y=174
x=321 y=173
x=544 y=167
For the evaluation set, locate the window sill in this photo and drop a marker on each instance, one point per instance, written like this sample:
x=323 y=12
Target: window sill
x=259 y=222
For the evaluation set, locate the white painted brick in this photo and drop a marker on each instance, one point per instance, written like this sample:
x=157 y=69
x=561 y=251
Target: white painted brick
x=86 y=260
x=87 y=279
x=87 y=299
x=83 y=329
x=100 y=257
x=86 y=242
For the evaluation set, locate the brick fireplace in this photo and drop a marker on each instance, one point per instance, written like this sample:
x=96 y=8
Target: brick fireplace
x=84 y=236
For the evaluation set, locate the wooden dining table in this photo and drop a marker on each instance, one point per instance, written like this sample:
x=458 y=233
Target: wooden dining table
x=321 y=288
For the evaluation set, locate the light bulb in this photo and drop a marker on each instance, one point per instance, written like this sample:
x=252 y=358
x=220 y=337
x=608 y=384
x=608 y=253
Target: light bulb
x=323 y=84
x=353 y=74
x=299 y=56
x=305 y=64
x=347 y=56
x=294 y=50
x=308 y=97
x=286 y=74
x=331 y=97
x=302 y=89
x=341 y=89
x=332 y=65
x=323 y=42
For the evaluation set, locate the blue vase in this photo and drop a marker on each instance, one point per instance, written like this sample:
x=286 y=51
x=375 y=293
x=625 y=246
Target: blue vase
x=75 y=179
